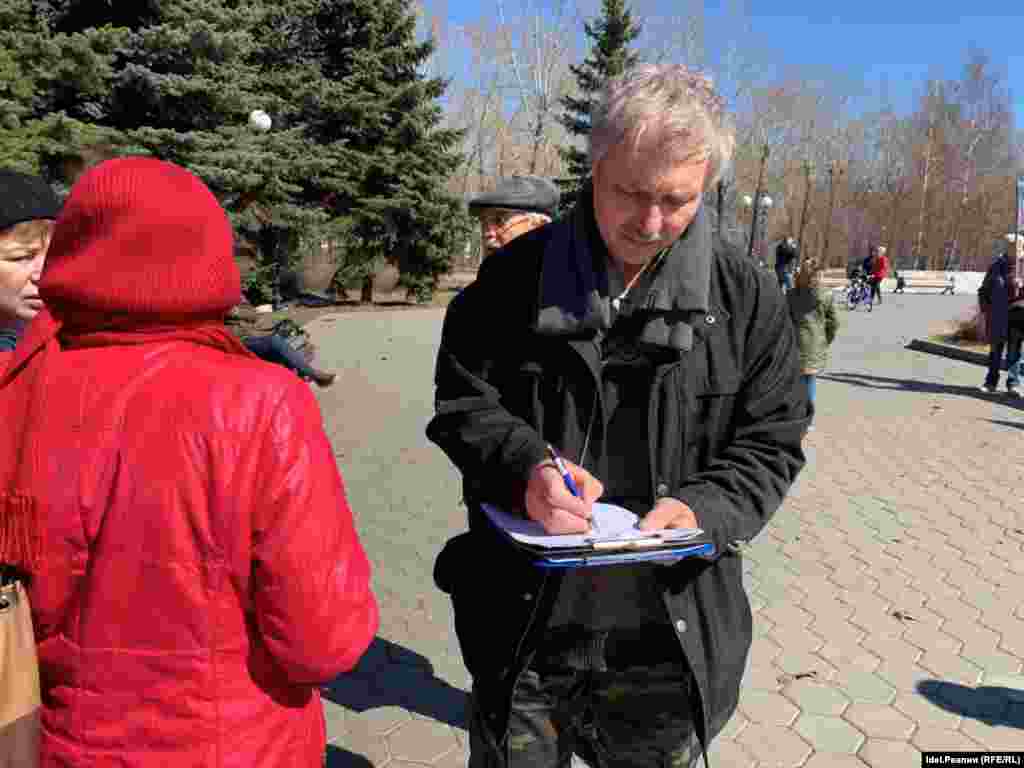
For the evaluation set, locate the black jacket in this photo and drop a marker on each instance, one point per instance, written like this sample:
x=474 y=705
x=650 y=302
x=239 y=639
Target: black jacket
x=726 y=422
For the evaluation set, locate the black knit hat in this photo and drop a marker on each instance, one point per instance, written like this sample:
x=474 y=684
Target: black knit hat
x=520 y=193
x=24 y=198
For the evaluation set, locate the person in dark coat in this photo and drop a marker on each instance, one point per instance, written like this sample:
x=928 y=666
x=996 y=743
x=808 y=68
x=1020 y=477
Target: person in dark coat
x=994 y=299
x=664 y=366
x=787 y=256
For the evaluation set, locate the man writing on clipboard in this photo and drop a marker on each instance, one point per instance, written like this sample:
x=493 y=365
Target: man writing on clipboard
x=659 y=360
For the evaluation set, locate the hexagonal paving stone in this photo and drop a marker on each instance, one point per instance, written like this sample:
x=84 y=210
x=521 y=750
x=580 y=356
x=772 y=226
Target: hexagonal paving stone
x=799 y=663
x=787 y=615
x=421 y=741
x=334 y=718
x=1011 y=641
x=880 y=722
x=359 y=740
x=457 y=758
x=876 y=622
x=729 y=754
x=775 y=746
x=1013 y=683
x=932 y=740
x=879 y=753
x=829 y=734
x=998 y=737
x=844 y=653
x=762 y=677
x=925 y=713
x=929 y=638
x=764 y=650
x=957 y=611
x=794 y=638
x=830 y=620
x=867 y=687
x=863 y=600
x=764 y=707
x=380 y=720
x=851 y=578
x=833 y=760
x=903 y=676
x=971 y=633
x=993 y=663
x=951 y=667
x=816 y=698
x=734 y=727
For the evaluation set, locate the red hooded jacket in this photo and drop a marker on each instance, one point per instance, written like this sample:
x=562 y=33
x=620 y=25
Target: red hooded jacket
x=200 y=574
x=881 y=267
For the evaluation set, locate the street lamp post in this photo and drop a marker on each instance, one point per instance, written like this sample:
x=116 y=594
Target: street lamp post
x=832 y=173
x=260 y=122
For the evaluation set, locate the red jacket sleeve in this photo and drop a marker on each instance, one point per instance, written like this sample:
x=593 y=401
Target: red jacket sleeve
x=311 y=576
x=881 y=267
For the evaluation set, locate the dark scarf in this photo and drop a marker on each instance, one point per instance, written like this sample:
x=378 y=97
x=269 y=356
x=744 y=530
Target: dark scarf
x=574 y=294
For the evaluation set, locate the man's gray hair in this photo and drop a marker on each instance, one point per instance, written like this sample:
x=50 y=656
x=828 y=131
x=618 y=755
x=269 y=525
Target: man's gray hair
x=672 y=100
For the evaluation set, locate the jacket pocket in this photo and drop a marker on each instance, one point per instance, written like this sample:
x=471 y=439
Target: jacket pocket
x=711 y=411
x=491 y=598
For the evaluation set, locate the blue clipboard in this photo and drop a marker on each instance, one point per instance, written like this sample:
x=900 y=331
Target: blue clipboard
x=585 y=560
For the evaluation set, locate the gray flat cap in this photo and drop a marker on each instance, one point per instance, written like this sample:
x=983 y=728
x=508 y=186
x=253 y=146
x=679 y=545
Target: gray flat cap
x=520 y=193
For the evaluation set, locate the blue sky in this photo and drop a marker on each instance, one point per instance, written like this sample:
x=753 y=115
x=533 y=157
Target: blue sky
x=901 y=41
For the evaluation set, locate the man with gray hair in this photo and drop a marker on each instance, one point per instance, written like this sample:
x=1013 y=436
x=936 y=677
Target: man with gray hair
x=515 y=206
x=664 y=366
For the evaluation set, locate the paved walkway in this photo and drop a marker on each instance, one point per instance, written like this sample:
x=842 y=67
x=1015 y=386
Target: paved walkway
x=889 y=616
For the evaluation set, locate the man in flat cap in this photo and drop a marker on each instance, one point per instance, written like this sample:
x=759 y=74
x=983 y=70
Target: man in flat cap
x=517 y=205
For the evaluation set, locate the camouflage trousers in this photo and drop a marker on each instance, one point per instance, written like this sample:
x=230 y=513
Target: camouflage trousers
x=629 y=717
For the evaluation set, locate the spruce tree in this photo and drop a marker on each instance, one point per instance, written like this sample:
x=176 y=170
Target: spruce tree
x=610 y=36
x=353 y=153
x=398 y=155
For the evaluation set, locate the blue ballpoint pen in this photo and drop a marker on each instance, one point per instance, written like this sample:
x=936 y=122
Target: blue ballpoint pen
x=564 y=472
x=567 y=478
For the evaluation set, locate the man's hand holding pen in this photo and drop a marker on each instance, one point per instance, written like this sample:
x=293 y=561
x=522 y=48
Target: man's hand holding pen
x=550 y=501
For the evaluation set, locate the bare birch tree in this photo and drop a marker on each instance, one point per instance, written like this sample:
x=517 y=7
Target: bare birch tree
x=538 y=50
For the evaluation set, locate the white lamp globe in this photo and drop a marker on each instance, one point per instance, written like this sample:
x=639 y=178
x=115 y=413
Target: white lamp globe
x=259 y=121
x=748 y=201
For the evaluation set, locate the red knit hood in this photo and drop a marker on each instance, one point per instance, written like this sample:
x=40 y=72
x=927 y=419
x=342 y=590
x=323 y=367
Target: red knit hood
x=142 y=251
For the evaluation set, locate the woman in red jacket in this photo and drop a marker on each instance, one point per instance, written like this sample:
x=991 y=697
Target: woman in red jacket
x=879 y=271
x=195 y=572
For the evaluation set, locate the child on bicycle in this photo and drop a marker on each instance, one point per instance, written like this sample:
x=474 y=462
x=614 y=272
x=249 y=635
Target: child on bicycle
x=816 y=320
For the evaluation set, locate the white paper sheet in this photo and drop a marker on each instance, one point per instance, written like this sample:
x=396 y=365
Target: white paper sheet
x=609 y=523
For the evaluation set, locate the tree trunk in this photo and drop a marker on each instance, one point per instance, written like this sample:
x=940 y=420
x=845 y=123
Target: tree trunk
x=721 y=206
x=831 y=210
x=757 y=203
x=803 y=213
x=924 y=198
x=366 y=295
x=538 y=139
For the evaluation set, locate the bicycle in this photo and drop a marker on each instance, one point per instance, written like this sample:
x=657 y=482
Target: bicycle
x=858 y=292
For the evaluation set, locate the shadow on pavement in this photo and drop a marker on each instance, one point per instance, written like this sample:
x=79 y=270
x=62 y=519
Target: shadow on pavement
x=337 y=757
x=390 y=675
x=994 y=706
x=913 y=385
x=1017 y=424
